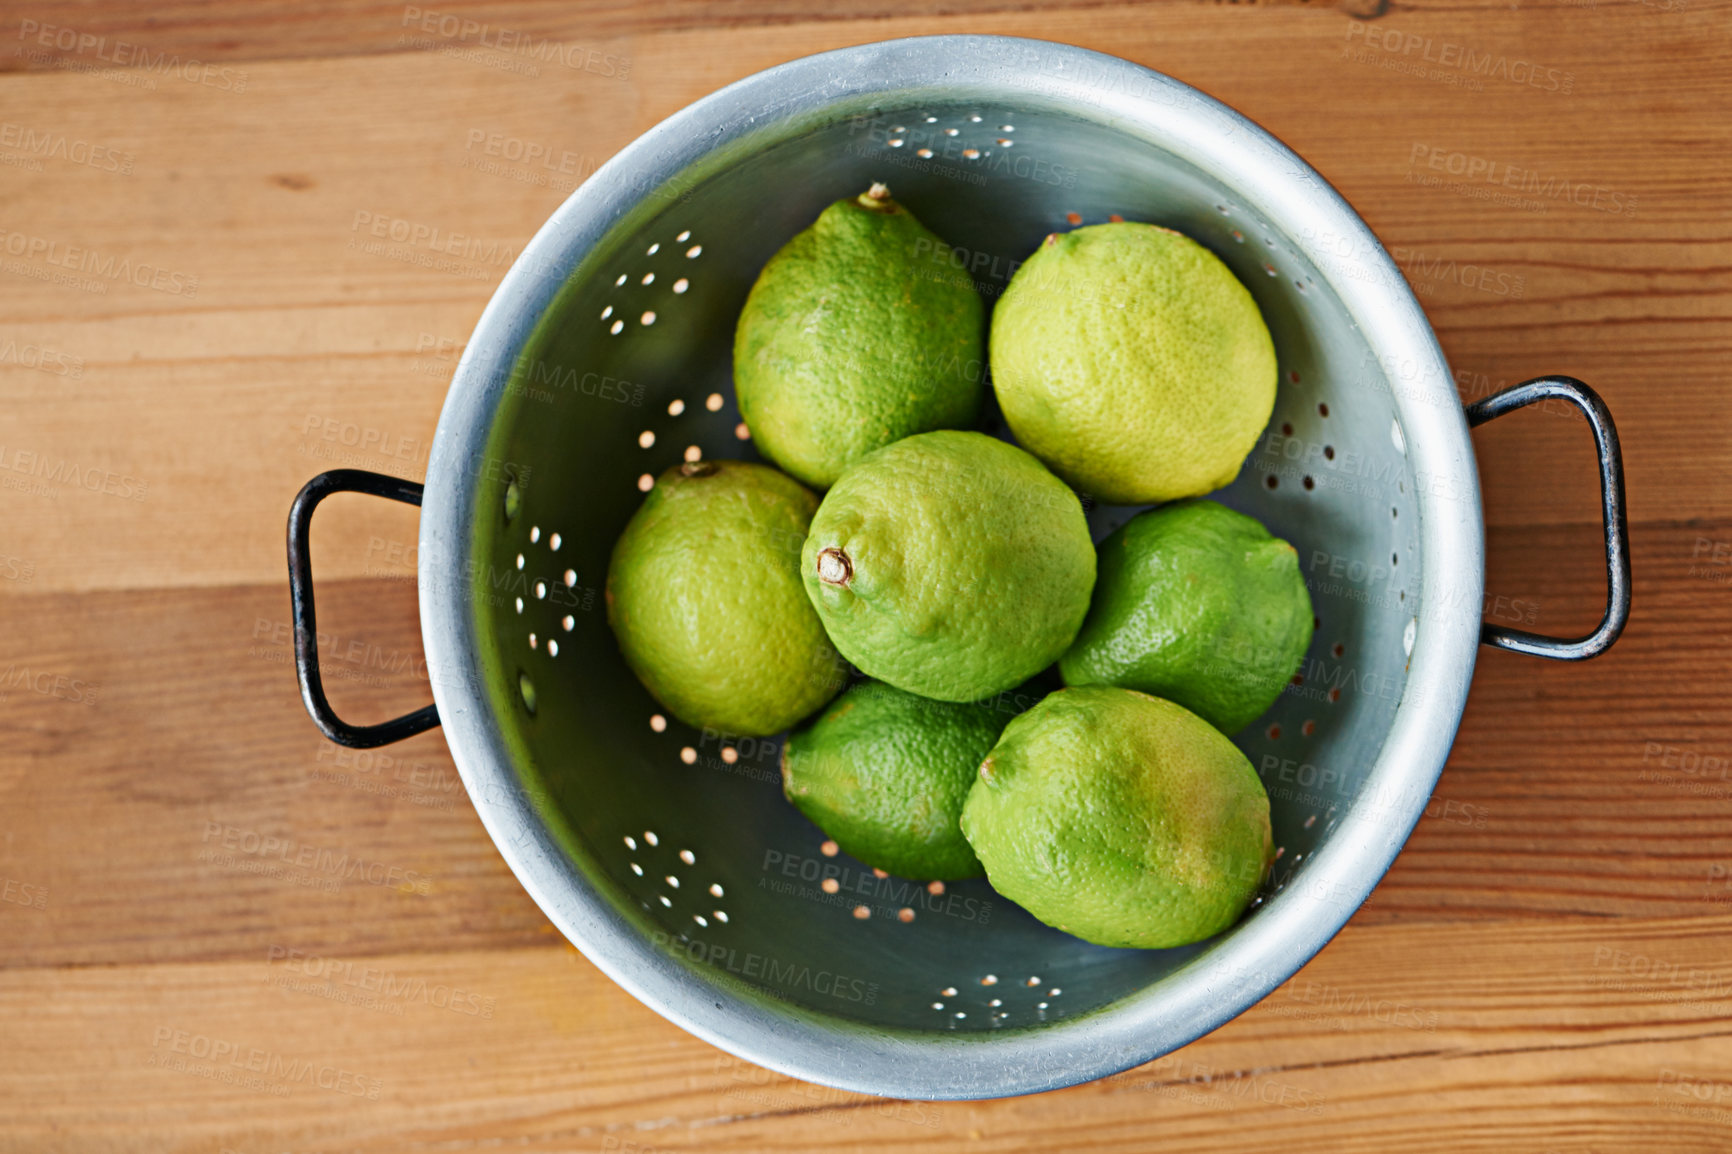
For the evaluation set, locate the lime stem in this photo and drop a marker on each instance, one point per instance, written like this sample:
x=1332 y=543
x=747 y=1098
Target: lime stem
x=834 y=567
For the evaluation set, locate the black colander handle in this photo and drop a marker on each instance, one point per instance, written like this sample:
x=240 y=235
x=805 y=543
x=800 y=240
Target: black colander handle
x=306 y=624
x=1612 y=508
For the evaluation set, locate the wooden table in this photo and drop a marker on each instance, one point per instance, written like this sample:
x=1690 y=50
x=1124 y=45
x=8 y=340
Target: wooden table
x=185 y=313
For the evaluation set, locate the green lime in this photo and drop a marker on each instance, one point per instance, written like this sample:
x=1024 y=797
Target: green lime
x=1197 y=604
x=950 y=564
x=885 y=774
x=1130 y=360
x=1120 y=818
x=848 y=343
x=704 y=596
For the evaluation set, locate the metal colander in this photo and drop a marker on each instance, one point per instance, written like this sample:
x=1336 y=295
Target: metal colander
x=667 y=854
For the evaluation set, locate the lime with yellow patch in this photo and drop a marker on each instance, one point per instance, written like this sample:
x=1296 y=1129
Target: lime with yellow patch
x=885 y=774
x=705 y=599
x=857 y=333
x=1131 y=360
x=1120 y=818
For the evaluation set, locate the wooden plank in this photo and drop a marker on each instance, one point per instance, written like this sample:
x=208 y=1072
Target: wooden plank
x=539 y=32
x=292 y=333
x=1597 y=789
x=151 y=739
x=1562 y=1035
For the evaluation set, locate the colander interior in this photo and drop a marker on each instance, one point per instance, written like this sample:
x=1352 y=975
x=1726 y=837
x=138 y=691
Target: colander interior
x=686 y=832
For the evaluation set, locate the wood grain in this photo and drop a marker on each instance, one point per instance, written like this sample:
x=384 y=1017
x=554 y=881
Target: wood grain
x=1532 y=1034
x=1549 y=975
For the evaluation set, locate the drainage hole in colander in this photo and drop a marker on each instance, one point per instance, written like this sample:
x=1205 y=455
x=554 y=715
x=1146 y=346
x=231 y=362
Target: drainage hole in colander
x=532 y=641
x=1309 y=483
x=1274 y=733
x=650 y=837
x=1238 y=237
x=716 y=891
x=534 y=534
x=713 y=402
x=660 y=725
x=520 y=605
x=1322 y=409
x=1270 y=269
x=1271 y=481
x=645 y=483
x=861 y=913
x=1308 y=728
x=526 y=690
x=689 y=755
x=1073 y=218
x=553 y=542
x=829 y=849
